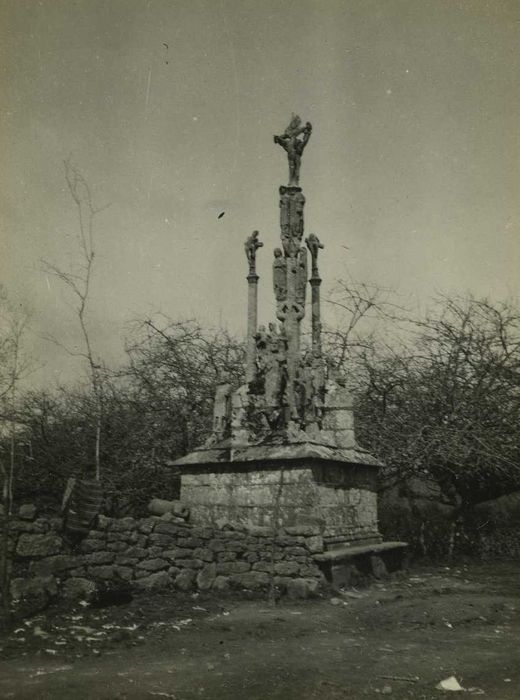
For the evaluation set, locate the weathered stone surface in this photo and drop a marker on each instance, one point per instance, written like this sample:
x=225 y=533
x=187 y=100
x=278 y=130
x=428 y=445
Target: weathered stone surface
x=296 y=551
x=173 y=529
x=26 y=526
x=286 y=568
x=103 y=522
x=183 y=553
x=251 y=557
x=302 y=588
x=310 y=571
x=305 y=530
x=147 y=526
x=217 y=545
x=314 y=544
x=252 y=580
x=102 y=572
x=55 y=565
x=153 y=564
x=161 y=579
x=123 y=536
x=162 y=540
x=97 y=535
x=38 y=545
x=124 y=560
x=221 y=584
x=185 y=580
x=92 y=545
x=122 y=525
x=205 y=533
x=260 y=530
x=27 y=511
x=203 y=553
x=124 y=572
x=189 y=563
x=79 y=588
x=99 y=558
x=206 y=576
x=233 y=567
x=137 y=552
x=33 y=594
x=263 y=566
x=116 y=546
x=232 y=534
x=289 y=540
x=227 y=556
x=189 y=542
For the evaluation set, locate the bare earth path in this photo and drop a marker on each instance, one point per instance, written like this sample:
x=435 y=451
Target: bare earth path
x=398 y=638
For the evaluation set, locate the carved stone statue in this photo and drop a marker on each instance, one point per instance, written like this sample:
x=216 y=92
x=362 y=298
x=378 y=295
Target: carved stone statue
x=251 y=246
x=314 y=245
x=222 y=406
x=261 y=340
x=301 y=277
x=292 y=203
x=279 y=275
x=293 y=141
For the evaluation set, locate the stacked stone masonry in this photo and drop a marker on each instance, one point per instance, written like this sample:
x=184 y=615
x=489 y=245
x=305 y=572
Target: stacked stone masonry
x=163 y=552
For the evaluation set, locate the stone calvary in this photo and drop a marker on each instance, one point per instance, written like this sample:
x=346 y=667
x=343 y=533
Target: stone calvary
x=283 y=451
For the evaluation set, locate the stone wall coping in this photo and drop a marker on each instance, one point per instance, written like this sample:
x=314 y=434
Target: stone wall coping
x=275 y=456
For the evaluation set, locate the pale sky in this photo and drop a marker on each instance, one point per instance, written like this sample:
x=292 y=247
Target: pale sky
x=413 y=164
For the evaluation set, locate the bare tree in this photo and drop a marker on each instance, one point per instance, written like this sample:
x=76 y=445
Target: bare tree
x=13 y=324
x=79 y=282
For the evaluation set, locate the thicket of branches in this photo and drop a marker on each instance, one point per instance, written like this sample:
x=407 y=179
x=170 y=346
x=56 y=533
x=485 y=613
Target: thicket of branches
x=438 y=396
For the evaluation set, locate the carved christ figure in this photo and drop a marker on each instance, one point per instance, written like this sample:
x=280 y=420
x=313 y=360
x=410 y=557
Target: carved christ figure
x=293 y=141
x=251 y=246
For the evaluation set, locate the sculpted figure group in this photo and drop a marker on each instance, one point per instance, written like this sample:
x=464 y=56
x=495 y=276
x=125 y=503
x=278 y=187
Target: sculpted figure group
x=283 y=387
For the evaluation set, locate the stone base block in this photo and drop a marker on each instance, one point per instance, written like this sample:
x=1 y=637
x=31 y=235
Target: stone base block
x=341 y=499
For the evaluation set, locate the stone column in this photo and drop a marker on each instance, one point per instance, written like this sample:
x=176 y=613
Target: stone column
x=292 y=332
x=314 y=245
x=252 y=319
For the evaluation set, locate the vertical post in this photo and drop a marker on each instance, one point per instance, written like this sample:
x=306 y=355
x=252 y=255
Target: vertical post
x=252 y=319
x=314 y=245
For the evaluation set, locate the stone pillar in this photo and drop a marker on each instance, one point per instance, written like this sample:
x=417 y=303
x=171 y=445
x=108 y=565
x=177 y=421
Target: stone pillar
x=314 y=245
x=252 y=314
x=292 y=332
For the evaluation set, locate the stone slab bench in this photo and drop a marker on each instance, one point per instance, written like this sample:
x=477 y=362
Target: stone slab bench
x=341 y=564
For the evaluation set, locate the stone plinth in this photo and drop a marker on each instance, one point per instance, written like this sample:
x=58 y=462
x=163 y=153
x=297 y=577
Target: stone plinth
x=284 y=485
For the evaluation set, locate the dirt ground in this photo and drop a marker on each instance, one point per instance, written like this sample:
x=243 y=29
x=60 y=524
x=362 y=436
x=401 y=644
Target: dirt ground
x=398 y=638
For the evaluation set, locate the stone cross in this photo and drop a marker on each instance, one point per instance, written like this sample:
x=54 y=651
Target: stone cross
x=293 y=141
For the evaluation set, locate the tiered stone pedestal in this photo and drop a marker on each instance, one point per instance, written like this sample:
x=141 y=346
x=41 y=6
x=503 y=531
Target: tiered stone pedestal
x=285 y=485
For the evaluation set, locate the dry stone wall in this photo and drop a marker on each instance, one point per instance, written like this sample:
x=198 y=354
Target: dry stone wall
x=160 y=552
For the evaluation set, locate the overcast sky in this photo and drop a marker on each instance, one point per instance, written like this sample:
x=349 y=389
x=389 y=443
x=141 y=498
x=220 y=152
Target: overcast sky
x=414 y=161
